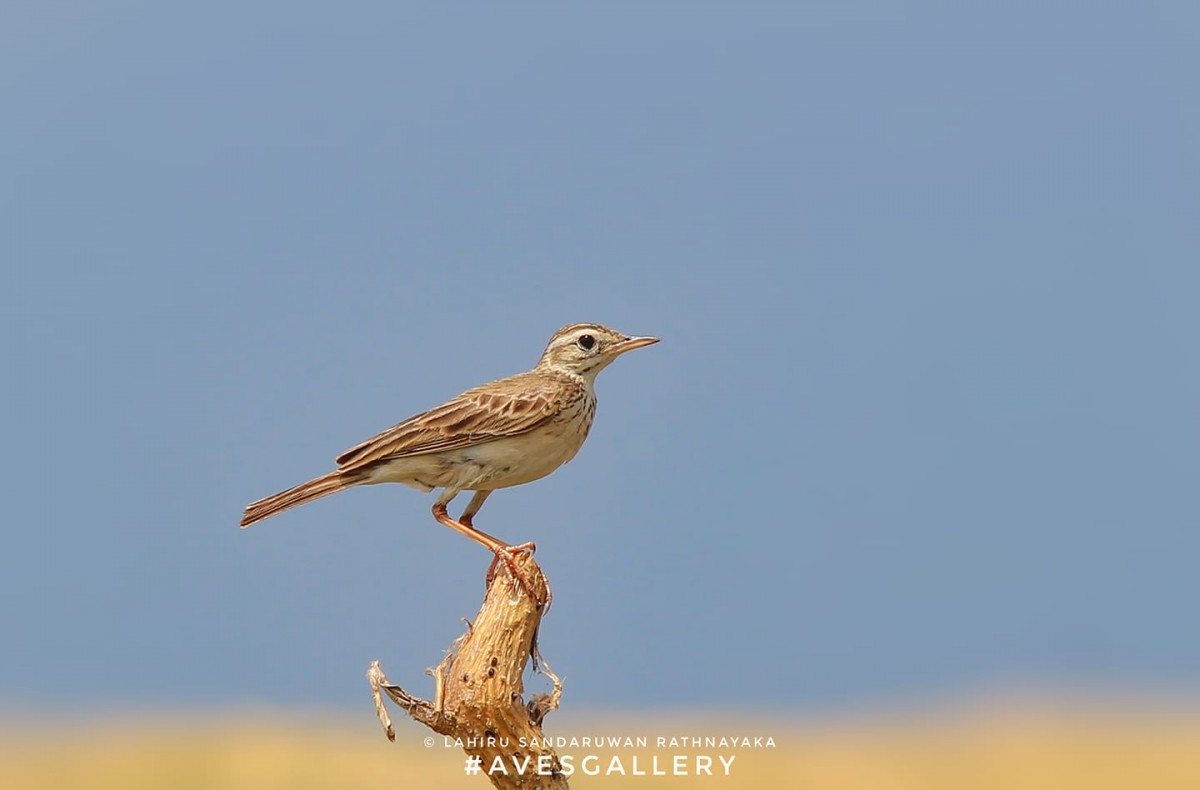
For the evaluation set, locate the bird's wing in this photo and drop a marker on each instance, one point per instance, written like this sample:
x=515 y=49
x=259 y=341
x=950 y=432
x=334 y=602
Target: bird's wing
x=504 y=408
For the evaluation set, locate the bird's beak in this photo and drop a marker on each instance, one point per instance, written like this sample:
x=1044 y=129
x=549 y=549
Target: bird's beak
x=629 y=344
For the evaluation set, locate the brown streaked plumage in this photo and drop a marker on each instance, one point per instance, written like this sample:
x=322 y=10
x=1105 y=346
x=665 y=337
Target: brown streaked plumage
x=499 y=435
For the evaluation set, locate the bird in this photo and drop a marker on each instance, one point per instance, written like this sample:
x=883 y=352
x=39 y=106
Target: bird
x=499 y=435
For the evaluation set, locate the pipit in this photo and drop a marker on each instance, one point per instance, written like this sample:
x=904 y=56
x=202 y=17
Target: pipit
x=503 y=434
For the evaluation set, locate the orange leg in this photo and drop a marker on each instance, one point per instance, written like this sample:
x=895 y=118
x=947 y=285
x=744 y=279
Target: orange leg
x=502 y=550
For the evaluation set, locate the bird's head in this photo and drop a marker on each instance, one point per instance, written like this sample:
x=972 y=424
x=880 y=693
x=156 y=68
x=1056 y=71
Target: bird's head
x=586 y=349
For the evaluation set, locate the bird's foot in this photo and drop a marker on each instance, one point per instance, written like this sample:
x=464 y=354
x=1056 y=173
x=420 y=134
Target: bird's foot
x=532 y=549
x=508 y=555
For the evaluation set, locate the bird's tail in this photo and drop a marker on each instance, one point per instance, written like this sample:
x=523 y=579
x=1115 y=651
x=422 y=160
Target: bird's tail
x=305 y=492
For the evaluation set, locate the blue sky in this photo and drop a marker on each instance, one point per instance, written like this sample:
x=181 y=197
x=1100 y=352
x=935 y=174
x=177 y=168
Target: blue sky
x=923 y=421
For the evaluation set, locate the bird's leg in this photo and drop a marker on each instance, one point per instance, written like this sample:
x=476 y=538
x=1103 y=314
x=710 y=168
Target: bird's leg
x=473 y=507
x=502 y=550
x=466 y=519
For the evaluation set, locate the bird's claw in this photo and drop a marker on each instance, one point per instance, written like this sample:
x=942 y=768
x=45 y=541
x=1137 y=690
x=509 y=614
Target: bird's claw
x=508 y=554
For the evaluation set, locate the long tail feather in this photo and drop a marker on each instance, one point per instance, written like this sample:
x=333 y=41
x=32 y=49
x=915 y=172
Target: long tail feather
x=305 y=492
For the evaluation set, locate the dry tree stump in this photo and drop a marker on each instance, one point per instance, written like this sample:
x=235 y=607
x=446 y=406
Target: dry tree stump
x=479 y=693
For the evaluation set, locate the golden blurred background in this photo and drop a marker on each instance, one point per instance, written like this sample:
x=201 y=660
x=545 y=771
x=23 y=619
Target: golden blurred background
x=981 y=746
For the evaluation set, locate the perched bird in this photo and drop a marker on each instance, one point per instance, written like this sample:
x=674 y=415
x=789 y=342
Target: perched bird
x=499 y=435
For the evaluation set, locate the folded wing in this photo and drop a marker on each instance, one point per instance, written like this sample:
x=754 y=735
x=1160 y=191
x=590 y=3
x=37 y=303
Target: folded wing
x=477 y=416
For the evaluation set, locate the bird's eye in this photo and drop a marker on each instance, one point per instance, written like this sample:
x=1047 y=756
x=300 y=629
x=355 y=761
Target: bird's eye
x=586 y=342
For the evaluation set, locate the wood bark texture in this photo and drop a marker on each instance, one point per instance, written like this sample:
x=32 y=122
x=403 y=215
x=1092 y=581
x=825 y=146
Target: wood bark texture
x=479 y=693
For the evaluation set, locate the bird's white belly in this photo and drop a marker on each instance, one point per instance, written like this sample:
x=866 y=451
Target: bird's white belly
x=500 y=463
x=521 y=459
